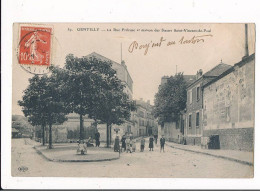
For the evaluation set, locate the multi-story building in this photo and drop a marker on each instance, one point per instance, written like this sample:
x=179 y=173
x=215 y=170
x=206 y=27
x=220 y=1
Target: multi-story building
x=192 y=119
x=228 y=106
x=145 y=123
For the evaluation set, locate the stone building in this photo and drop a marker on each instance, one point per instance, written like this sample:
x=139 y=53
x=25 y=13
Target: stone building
x=194 y=105
x=228 y=109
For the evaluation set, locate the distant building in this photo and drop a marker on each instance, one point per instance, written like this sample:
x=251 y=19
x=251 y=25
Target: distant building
x=228 y=106
x=121 y=72
x=192 y=119
x=145 y=123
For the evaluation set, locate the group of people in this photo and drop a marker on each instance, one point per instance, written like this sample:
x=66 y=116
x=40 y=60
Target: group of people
x=129 y=144
x=153 y=139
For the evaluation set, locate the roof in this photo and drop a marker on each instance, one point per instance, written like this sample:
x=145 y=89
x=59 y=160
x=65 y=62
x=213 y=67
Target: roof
x=189 y=78
x=217 y=70
x=214 y=72
x=239 y=64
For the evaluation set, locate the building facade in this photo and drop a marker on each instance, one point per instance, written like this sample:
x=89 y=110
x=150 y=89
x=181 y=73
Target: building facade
x=194 y=106
x=145 y=123
x=228 y=109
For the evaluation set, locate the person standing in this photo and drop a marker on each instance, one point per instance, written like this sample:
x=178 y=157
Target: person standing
x=155 y=138
x=151 y=143
x=128 y=144
x=117 y=139
x=97 y=137
x=142 y=143
x=123 y=142
x=162 y=142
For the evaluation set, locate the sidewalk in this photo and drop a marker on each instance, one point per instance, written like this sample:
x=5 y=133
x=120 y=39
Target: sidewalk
x=242 y=157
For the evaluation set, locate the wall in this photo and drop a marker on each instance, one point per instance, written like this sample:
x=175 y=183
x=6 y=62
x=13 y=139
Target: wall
x=229 y=102
x=171 y=133
x=229 y=108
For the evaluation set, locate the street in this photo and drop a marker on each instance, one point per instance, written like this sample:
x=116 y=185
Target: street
x=173 y=163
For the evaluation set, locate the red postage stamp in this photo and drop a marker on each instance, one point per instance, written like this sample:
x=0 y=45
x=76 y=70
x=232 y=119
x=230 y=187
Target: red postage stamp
x=35 y=45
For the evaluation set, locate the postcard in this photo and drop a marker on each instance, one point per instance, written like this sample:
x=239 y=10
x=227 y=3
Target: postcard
x=133 y=100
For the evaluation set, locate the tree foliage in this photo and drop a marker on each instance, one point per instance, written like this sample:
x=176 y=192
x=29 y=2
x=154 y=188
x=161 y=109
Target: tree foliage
x=42 y=102
x=92 y=88
x=170 y=99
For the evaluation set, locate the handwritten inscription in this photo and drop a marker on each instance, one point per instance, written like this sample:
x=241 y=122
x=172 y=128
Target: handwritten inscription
x=194 y=40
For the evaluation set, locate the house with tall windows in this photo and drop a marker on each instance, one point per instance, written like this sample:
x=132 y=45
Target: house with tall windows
x=192 y=116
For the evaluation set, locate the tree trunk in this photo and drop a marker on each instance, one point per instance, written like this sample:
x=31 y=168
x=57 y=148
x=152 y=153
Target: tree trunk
x=50 y=136
x=108 y=143
x=110 y=138
x=43 y=135
x=81 y=128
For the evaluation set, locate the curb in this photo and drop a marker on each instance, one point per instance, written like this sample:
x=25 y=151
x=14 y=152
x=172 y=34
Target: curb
x=59 y=160
x=216 y=156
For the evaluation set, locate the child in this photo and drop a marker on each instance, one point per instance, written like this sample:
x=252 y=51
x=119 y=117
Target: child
x=133 y=146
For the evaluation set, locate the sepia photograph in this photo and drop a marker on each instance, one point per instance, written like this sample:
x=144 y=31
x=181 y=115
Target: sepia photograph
x=133 y=100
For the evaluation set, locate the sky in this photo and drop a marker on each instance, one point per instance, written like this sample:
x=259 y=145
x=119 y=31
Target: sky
x=218 y=42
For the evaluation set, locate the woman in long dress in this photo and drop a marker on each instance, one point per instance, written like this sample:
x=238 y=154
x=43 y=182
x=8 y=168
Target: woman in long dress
x=151 y=143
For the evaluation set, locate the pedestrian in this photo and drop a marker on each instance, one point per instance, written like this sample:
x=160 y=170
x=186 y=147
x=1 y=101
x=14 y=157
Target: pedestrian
x=128 y=144
x=123 y=142
x=155 y=138
x=142 y=143
x=117 y=139
x=162 y=142
x=97 y=137
x=133 y=146
x=151 y=143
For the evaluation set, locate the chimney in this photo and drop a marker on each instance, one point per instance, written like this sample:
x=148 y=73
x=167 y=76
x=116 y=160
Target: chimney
x=199 y=74
x=246 y=41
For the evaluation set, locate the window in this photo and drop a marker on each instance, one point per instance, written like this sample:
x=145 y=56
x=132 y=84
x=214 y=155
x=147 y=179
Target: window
x=189 y=121
x=197 y=119
x=190 y=96
x=198 y=93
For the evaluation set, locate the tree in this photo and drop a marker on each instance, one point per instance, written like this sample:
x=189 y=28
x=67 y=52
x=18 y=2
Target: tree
x=170 y=99
x=93 y=89
x=112 y=105
x=42 y=102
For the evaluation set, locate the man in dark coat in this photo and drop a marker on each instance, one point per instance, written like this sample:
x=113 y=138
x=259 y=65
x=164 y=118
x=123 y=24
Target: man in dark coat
x=151 y=143
x=162 y=142
x=97 y=137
